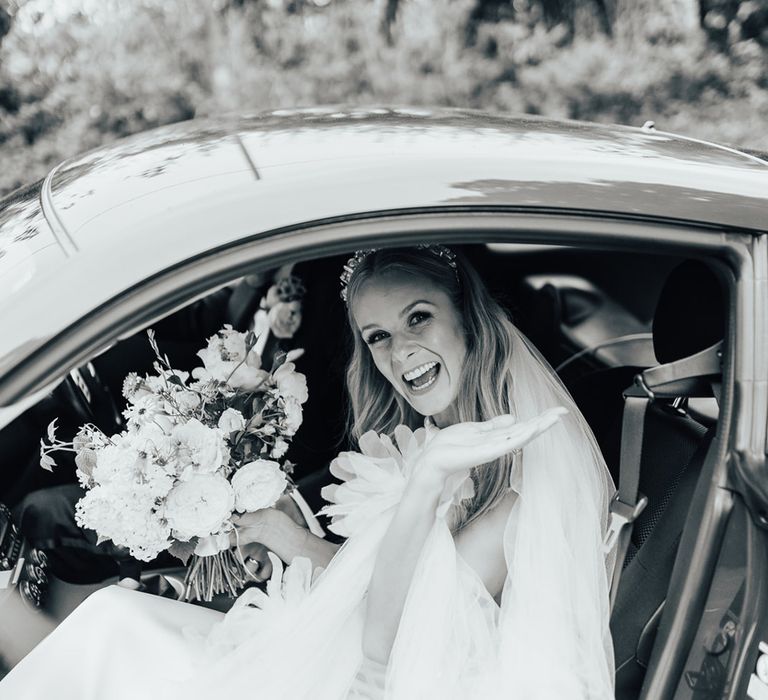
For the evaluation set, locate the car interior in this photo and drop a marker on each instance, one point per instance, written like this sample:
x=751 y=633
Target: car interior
x=620 y=328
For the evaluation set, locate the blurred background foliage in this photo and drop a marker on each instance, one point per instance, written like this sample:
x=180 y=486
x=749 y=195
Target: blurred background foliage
x=75 y=74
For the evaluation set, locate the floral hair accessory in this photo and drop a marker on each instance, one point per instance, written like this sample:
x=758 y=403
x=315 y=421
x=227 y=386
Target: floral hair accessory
x=353 y=263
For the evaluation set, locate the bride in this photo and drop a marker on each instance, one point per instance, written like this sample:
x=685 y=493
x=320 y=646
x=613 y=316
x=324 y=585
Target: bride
x=474 y=514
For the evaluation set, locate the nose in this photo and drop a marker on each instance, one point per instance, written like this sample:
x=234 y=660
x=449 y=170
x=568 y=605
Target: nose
x=402 y=349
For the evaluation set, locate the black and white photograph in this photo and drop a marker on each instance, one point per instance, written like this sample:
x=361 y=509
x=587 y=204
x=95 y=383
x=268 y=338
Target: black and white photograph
x=384 y=349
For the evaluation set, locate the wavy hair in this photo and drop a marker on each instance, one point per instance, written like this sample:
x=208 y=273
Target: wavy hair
x=486 y=383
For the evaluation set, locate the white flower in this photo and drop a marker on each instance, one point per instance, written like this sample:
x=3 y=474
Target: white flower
x=143 y=410
x=116 y=462
x=131 y=385
x=200 y=446
x=290 y=383
x=279 y=448
x=200 y=506
x=293 y=416
x=231 y=420
x=294 y=354
x=187 y=401
x=258 y=485
x=153 y=441
x=128 y=517
x=225 y=360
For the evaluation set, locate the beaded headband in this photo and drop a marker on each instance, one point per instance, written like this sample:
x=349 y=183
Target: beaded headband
x=352 y=264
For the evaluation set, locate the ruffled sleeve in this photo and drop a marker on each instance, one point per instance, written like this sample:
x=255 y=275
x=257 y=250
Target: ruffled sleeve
x=373 y=479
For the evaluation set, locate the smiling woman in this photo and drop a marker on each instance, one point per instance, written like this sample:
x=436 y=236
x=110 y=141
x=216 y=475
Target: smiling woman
x=414 y=333
x=474 y=549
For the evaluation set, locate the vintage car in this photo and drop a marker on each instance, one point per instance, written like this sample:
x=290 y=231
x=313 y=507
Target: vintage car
x=636 y=260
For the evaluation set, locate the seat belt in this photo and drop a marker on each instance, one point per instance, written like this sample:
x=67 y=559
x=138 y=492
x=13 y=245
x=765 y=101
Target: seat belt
x=676 y=379
x=626 y=507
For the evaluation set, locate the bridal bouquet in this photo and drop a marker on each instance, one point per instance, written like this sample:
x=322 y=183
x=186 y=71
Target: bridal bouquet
x=196 y=450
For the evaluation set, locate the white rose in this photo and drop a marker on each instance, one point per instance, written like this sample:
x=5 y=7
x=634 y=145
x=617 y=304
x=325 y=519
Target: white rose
x=258 y=485
x=200 y=506
x=200 y=446
x=293 y=416
x=225 y=360
x=248 y=377
x=233 y=344
x=187 y=401
x=290 y=383
x=231 y=420
x=279 y=448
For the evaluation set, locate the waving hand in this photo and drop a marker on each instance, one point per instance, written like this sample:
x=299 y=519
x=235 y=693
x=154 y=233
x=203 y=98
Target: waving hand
x=465 y=445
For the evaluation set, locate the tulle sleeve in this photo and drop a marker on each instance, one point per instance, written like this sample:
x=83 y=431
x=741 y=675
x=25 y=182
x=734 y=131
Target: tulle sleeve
x=301 y=639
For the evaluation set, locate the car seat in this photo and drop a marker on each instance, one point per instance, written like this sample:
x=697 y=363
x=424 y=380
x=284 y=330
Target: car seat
x=690 y=318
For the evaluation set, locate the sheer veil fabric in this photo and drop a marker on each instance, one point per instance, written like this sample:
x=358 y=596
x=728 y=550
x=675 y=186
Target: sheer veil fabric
x=547 y=638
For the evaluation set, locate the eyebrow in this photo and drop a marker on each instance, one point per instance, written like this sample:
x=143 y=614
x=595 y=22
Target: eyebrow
x=402 y=313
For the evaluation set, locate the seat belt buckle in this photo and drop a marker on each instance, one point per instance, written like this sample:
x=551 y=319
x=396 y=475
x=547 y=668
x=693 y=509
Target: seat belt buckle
x=620 y=515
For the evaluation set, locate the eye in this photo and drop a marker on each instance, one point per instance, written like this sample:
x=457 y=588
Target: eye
x=375 y=337
x=419 y=317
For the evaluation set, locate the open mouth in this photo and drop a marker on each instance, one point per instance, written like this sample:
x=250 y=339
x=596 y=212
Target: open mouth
x=422 y=377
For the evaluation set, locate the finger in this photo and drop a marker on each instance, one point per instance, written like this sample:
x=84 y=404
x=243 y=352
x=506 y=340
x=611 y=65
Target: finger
x=523 y=434
x=558 y=411
x=264 y=571
x=501 y=424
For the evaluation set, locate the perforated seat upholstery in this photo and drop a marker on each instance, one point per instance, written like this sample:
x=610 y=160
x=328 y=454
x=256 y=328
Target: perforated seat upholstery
x=690 y=317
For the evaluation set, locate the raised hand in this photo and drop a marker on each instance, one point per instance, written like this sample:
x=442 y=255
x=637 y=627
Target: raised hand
x=465 y=445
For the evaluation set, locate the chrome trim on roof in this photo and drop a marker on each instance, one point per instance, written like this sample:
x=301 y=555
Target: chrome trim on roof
x=52 y=217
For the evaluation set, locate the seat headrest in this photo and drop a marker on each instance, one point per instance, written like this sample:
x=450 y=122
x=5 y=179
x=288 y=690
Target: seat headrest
x=690 y=314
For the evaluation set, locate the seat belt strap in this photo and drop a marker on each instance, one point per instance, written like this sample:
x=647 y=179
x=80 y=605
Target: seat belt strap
x=685 y=377
x=628 y=503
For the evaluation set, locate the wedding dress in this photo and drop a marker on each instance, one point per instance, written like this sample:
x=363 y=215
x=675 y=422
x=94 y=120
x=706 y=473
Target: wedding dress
x=548 y=636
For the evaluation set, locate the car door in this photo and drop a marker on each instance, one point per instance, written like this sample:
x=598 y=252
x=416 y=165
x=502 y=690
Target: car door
x=715 y=625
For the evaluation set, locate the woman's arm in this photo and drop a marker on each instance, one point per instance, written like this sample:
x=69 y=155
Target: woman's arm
x=281 y=534
x=396 y=562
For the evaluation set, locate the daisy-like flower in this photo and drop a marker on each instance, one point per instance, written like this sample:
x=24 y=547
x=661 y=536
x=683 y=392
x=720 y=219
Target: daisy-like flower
x=131 y=385
x=143 y=411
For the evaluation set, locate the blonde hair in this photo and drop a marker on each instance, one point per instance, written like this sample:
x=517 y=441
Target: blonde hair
x=486 y=383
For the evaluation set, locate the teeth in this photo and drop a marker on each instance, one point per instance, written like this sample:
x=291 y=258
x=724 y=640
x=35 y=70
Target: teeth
x=418 y=371
x=425 y=385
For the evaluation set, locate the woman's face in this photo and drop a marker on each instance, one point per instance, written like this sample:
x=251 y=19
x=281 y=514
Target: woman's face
x=416 y=339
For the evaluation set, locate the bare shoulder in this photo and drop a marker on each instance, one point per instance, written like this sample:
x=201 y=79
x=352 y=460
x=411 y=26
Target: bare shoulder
x=481 y=544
